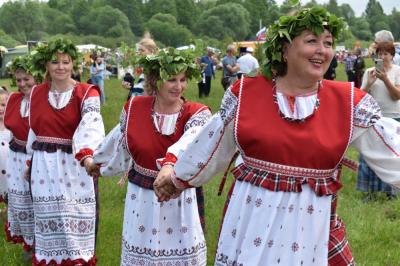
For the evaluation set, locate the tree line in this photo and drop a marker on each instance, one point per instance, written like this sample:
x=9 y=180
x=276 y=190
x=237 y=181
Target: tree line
x=171 y=22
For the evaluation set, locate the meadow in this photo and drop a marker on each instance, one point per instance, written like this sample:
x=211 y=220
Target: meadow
x=373 y=228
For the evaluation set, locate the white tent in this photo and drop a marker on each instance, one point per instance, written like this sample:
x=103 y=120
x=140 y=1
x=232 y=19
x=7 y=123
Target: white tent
x=85 y=48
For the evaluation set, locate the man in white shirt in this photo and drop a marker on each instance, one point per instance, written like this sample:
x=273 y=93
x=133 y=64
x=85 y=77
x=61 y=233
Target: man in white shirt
x=248 y=63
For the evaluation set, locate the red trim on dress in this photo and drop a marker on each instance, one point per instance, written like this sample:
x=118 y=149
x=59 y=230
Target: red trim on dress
x=16 y=239
x=83 y=154
x=64 y=262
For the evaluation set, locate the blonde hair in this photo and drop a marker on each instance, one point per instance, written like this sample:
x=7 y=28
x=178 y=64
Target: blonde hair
x=3 y=90
x=148 y=43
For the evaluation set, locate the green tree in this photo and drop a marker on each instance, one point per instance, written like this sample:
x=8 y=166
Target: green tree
x=394 y=23
x=6 y=40
x=152 y=7
x=333 y=7
x=263 y=12
x=361 y=29
x=133 y=10
x=375 y=16
x=57 y=21
x=22 y=20
x=233 y=20
x=166 y=30
x=347 y=13
x=78 y=11
x=187 y=13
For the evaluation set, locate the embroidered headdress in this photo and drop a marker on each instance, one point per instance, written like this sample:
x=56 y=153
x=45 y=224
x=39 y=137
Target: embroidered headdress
x=315 y=19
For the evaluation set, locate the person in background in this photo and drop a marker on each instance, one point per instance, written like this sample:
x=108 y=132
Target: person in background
x=145 y=46
x=5 y=136
x=331 y=72
x=248 y=63
x=386 y=36
x=359 y=66
x=21 y=223
x=172 y=233
x=230 y=67
x=292 y=129
x=61 y=143
x=97 y=72
x=349 y=66
x=207 y=63
x=384 y=86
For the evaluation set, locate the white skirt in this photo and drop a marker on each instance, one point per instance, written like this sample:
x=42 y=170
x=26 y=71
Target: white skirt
x=162 y=234
x=65 y=208
x=263 y=227
x=20 y=209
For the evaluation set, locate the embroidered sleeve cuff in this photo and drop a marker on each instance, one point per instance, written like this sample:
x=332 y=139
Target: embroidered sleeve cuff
x=180 y=184
x=169 y=159
x=83 y=154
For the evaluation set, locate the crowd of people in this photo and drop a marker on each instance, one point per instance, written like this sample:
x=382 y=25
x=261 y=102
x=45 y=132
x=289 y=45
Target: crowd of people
x=289 y=126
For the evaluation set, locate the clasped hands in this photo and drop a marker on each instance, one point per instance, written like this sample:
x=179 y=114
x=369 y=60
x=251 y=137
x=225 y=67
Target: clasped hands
x=92 y=169
x=163 y=185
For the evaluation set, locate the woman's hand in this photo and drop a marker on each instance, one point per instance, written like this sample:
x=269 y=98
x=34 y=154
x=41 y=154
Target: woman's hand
x=371 y=77
x=381 y=74
x=126 y=85
x=91 y=168
x=163 y=185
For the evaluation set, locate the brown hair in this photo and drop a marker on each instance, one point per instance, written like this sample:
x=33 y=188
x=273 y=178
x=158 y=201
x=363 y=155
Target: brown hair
x=148 y=43
x=3 y=90
x=386 y=47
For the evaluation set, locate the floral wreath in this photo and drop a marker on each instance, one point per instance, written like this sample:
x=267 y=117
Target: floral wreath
x=169 y=62
x=25 y=63
x=48 y=52
x=315 y=19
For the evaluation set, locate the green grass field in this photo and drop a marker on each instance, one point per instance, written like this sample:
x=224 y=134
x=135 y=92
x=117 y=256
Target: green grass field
x=373 y=229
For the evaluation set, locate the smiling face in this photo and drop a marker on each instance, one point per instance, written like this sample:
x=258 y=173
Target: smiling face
x=172 y=89
x=24 y=82
x=61 y=68
x=309 y=56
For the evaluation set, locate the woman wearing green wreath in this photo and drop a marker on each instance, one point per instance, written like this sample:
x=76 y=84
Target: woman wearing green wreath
x=152 y=132
x=20 y=224
x=65 y=128
x=292 y=129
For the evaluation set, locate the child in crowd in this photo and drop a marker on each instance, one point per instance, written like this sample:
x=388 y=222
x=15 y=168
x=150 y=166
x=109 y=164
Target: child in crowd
x=4 y=139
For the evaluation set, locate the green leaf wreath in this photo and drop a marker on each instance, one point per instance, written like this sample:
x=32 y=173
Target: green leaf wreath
x=315 y=19
x=169 y=62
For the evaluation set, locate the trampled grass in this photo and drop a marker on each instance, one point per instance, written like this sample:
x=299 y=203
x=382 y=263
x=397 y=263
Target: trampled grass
x=373 y=229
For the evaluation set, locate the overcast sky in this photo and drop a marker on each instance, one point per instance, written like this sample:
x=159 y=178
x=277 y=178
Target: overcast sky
x=360 y=5
x=357 y=5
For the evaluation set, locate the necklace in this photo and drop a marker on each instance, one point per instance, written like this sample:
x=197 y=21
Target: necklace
x=291 y=119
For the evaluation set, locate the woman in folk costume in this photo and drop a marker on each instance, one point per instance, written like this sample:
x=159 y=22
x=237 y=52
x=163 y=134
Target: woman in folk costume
x=20 y=225
x=152 y=131
x=5 y=136
x=292 y=130
x=65 y=127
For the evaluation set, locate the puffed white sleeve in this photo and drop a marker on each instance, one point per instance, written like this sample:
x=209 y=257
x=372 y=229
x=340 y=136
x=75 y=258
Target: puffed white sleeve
x=112 y=154
x=90 y=131
x=377 y=138
x=211 y=150
x=31 y=139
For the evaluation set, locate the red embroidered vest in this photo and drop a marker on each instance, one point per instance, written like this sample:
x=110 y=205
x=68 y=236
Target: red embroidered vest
x=47 y=121
x=13 y=120
x=318 y=143
x=144 y=142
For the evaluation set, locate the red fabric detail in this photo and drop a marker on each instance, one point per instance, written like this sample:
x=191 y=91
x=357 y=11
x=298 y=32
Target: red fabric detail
x=1 y=199
x=278 y=182
x=386 y=144
x=358 y=95
x=16 y=239
x=339 y=253
x=13 y=121
x=64 y=262
x=223 y=179
x=94 y=91
x=170 y=158
x=83 y=153
x=318 y=143
x=351 y=164
x=56 y=123
x=145 y=144
x=28 y=163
